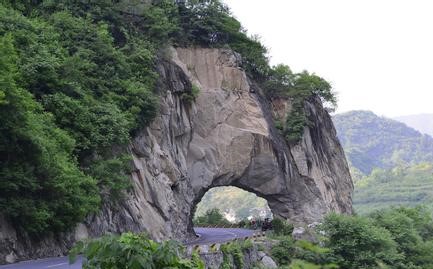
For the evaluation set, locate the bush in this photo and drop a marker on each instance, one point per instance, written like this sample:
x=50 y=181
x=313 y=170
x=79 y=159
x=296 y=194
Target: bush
x=358 y=243
x=283 y=83
x=407 y=227
x=190 y=96
x=282 y=227
x=234 y=251
x=112 y=175
x=283 y=251
x=211 y=217
x=133 y=251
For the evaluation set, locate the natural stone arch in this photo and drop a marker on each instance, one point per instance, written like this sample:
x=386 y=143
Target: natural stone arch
x=234 y=143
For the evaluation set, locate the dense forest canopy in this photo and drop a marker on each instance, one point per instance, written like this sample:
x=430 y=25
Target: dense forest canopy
x=78 y=78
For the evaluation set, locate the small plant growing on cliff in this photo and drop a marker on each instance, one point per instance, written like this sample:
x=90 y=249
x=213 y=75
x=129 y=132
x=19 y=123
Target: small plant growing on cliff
x=135 y=251
x=295 y=122
x=192 y=95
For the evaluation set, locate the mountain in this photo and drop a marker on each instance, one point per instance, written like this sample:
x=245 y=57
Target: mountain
x=421 y=122
x=390 y=161
x=371 y=141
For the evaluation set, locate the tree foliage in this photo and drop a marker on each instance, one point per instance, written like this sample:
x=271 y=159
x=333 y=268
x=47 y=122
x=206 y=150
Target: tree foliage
x=211 y=217
x=68 y=94
x=133 y=251
x=391 y=238
x=42 y=187
x=298 y=87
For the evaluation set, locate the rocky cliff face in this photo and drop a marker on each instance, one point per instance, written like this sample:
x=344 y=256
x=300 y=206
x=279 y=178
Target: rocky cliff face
x=225 y=138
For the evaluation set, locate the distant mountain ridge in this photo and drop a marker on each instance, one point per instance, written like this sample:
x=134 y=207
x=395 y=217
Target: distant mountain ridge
x=371 y=141
x=391 y=163
x=421 y=122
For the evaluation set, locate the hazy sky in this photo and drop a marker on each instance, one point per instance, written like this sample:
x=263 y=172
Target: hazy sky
x=378 y=54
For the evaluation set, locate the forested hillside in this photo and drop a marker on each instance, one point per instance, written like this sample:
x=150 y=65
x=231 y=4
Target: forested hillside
x=370 y=141
x=391 y=163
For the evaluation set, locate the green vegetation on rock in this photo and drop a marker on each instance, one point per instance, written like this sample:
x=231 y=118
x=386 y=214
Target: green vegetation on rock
x=283 y=83
x=70 y=92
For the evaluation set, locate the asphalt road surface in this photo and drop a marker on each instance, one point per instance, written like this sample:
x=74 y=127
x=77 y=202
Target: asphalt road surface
x=206 y=236
x=49 y=263
x=219 y=235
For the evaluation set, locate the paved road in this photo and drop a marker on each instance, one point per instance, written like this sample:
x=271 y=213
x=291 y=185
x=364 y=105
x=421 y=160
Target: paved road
x=207 y=236
x=219 y=235
x=49 y=263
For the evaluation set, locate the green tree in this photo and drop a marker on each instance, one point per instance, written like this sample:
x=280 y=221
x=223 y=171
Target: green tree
x=42 y=187
x=408 y=228
x=358 y=243
x=211 y=217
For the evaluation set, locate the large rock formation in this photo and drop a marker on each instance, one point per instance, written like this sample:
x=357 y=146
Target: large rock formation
x=225 y=138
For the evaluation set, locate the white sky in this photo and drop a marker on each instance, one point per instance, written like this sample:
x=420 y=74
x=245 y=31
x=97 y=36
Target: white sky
x=378 y=54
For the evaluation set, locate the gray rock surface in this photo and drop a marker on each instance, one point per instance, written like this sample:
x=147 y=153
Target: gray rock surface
x=226 y=137
x=268 y=262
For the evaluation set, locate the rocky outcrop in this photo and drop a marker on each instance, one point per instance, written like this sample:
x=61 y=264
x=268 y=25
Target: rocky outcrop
x=252 y=258
x=225 y=138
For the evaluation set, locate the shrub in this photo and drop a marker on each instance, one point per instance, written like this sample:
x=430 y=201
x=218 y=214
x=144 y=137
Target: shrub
x=283 y=251
x=133 y=251
x=68 y=94
x=358 y=243
x=191 y=95
x=282 y=227
x=233 y=251
x=283 y=83
x=211 y=217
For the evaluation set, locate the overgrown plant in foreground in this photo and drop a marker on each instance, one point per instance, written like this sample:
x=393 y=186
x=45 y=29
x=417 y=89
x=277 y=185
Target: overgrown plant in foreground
x=133 y=251
x=397 y=238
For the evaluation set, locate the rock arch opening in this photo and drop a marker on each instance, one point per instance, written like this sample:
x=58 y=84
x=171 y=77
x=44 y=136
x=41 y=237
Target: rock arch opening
x=232 y=204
